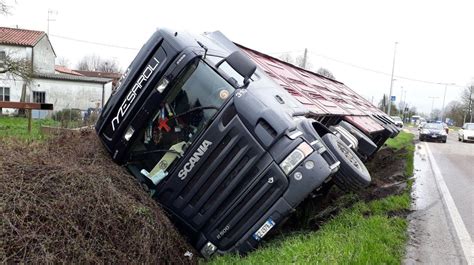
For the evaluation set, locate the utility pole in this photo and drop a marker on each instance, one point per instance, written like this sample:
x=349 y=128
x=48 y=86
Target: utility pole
x=432 y=103
x=391 y=80
x=405 y=105
x=444 y=98
x=305 y=56
x=400 y=104
x=50 y=14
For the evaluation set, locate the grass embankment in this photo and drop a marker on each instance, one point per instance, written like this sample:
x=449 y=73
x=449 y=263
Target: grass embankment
x=367 y=232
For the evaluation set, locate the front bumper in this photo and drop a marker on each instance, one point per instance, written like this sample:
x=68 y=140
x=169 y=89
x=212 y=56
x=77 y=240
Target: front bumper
x=436 y=137
x=469 y=138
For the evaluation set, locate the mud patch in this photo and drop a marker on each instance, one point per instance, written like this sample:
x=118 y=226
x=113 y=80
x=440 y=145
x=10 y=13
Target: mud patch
x=400 y=213
x=65 y=201
x=387 y=172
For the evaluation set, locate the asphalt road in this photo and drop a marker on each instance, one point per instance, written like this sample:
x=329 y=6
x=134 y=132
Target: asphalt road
x=442 y=223
x=456 y=162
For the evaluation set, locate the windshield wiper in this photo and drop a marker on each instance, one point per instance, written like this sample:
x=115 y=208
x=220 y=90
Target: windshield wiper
x=193 y=110
x=142 y=154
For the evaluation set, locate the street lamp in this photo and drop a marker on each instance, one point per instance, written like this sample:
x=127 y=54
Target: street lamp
x=444 y=97
x=391 y=80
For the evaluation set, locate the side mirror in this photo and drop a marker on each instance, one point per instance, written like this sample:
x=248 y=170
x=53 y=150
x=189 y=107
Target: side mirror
x=241 y=64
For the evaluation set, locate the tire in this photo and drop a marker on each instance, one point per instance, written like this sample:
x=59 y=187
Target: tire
x=366 y=146
x=352 y=174
x=444 y=141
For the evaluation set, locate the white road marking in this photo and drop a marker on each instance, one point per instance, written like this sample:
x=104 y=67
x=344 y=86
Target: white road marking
x=461 y=231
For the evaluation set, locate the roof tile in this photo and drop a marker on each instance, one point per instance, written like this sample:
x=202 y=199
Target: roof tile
x=22 y=37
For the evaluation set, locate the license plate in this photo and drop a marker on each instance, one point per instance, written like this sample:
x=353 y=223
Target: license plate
x=263 y=230
x=434 y=136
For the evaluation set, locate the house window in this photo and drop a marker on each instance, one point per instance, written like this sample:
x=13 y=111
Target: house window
x=39 y=97
x=4 y=94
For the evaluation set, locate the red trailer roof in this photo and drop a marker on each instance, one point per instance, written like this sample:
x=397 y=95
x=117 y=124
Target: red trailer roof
x=321 y=95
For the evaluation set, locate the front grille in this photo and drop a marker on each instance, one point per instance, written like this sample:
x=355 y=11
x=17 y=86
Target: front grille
x=227 y=191
x=224 y=172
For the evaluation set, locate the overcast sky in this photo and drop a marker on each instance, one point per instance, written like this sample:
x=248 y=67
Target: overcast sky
x=353 y=39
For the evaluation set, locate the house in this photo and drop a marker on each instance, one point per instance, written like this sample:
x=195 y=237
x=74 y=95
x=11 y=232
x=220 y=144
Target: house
x=62 y=87
x=114 y=76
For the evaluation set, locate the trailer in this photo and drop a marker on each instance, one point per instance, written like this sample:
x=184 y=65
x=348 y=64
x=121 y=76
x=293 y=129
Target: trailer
x=329 y=101
x=230 y=140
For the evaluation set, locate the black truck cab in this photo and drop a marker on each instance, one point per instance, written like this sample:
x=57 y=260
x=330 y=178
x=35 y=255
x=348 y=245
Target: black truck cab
x=222 y=147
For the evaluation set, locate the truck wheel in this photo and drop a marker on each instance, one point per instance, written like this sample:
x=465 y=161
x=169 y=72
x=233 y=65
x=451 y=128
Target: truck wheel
x=366 y=146
x=352 y=174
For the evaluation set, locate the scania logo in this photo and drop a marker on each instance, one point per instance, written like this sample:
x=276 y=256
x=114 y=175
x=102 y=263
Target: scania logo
x=183 y=173
x=134 y=91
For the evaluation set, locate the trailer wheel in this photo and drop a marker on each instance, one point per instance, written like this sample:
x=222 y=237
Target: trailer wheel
x=366 y=146
x=352 y=174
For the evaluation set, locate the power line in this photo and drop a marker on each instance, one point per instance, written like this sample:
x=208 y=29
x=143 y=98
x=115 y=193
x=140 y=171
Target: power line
x=377 y=71
x=95 y=43
x=279 y=53
x=271 y=53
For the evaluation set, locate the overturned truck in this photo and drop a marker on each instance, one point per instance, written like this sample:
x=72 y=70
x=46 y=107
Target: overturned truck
x=230 y=140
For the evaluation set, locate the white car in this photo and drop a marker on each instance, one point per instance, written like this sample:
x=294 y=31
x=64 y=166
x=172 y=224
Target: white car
x=466 y=133
x=420 y=126
x=398 y=121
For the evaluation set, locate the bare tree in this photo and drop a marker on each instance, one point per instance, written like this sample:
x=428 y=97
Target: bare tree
x=454 y=110
x=63 y=61
x=4 y=8
x=286 y=57
x=298 y=61
x=96 y=63
x=16 y=68
x=467 y=96
x=326 y=73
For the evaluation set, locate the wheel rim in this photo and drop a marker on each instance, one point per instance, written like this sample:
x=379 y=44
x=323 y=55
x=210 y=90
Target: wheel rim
x=352 y=159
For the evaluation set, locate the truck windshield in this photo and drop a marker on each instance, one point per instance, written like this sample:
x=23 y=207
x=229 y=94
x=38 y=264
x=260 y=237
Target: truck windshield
x=194 y=98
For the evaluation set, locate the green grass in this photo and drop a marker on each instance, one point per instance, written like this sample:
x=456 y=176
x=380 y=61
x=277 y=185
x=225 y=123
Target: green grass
x=365 y=233
x=404 y=140
x=362 y=234
x=16 y=127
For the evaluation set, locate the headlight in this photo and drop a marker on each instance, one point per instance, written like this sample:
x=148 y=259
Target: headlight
x=129 y=133
x=443 y=132
x=162 y=85
x=294 y=158
x=424 y=131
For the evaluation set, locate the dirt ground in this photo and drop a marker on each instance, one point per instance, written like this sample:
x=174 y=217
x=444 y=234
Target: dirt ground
x=387 y=171
x=65 y=201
